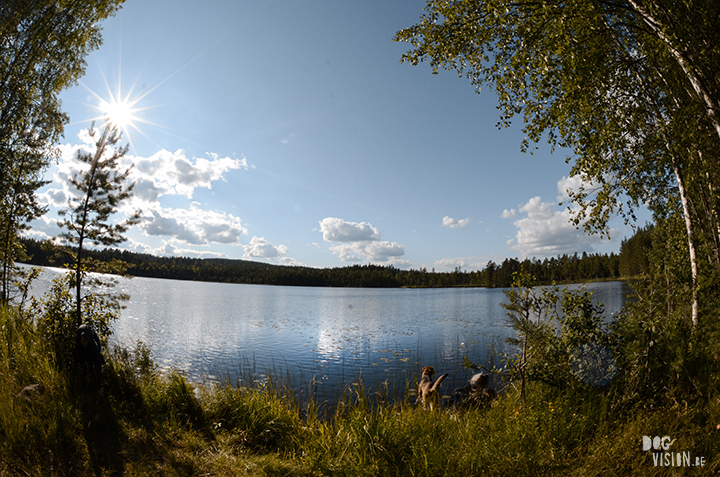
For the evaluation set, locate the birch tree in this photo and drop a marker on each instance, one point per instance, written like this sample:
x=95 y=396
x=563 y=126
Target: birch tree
x=43 y=45
x=628 y=86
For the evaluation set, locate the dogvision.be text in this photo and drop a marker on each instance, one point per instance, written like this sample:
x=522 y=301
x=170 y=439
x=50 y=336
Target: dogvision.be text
x=669 y=459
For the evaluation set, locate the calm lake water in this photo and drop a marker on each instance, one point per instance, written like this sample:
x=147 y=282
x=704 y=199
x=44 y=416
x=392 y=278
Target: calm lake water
x=326 y=336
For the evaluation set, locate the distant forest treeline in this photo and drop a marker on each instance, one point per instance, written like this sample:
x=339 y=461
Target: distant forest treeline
x=566 y=268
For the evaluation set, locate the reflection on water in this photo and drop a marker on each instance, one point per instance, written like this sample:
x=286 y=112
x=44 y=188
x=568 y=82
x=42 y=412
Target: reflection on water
x=326 y=335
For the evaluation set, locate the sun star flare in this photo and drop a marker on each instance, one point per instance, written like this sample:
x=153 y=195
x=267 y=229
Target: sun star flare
x=118 y=113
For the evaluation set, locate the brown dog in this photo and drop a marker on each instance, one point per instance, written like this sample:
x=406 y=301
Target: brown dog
x=427 y=391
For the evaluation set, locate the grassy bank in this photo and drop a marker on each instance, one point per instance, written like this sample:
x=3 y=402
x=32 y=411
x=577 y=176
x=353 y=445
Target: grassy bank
x=143 y=422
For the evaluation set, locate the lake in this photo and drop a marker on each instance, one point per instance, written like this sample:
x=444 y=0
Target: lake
x=321 y=339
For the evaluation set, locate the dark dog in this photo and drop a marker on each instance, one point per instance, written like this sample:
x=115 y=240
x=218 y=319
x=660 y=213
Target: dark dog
x=427 y=391
x=474 y=394
x=87 y=350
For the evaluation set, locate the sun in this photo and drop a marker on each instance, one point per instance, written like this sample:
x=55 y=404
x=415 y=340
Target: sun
x=118 y=113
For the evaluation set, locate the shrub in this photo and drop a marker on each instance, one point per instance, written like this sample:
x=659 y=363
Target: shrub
x=56 y=317
x=562 y=337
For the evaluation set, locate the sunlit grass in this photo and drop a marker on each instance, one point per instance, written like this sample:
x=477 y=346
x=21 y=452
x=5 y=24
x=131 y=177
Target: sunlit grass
x=38 y=422
x=148 y=422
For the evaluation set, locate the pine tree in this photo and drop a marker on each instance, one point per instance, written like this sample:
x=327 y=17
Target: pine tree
x=103 y=188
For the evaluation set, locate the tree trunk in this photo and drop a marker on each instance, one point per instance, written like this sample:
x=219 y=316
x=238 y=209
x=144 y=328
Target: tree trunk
x=691 y=243
x=710 y=204
x=83 y=225
x=8 y=255
x=690 y=71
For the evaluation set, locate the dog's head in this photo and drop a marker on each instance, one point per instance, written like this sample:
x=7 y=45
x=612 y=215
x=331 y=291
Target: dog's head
x=479 y=381
x=428 y=370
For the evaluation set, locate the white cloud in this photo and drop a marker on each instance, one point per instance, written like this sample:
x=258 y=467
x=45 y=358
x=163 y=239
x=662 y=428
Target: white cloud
x=139 y=247
x=508 y=213
x=359 y=242
x=43 y=228
x=161 y=225
x=161 y=174
x=449 y=264
x=545 y=231
x=448 y=221
x=338 y=230
x=348 y=252
x=465 y=263
x=574 y=183
x=370 y=251
x=290 y=262
x=147 y=191
x=193 y=225
x=172 y=173
x=54 y=197
x=170 y=249
x=261 y=248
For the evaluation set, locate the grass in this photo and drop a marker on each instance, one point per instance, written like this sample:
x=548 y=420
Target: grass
x=144 y=422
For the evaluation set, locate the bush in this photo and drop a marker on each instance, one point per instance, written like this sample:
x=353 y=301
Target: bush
x=562 y=337
x=57 y=321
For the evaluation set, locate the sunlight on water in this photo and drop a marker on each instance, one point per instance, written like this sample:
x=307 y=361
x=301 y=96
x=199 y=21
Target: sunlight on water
x=330 y=336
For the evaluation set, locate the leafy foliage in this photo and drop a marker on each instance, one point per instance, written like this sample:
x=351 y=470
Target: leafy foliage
x=43 y=45
x=629 y=87
x=562 y=336
x=55 y=315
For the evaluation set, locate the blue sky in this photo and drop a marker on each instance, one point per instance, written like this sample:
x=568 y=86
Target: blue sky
x=290 y=133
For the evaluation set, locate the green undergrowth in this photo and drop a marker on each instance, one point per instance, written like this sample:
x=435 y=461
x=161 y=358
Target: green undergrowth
x=146 y=422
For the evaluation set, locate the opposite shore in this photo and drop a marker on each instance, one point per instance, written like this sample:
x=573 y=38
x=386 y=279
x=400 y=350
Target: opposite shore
x=564 y=269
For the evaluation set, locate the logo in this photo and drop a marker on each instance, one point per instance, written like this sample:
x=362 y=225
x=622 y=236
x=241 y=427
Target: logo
x=657 y=443
x=663 y=457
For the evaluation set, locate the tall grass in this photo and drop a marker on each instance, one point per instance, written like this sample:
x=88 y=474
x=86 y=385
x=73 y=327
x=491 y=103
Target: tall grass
x=147 y=422
x=39 y=422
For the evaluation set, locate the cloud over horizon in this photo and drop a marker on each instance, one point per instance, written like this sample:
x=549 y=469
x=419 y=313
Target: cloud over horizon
x=338 y=230
x=545 y=231
x=261 y=248
x=192 y=226
x=358 y=241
